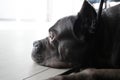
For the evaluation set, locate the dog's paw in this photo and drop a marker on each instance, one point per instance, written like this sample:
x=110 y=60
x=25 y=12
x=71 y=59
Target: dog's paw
x=86 y=74
x=63 y=77
x=57 y=78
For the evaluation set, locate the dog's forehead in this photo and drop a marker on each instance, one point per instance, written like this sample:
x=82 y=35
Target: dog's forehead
x=63 y=24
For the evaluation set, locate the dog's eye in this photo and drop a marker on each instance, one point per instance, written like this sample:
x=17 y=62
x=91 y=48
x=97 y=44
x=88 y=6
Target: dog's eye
x=51 y=36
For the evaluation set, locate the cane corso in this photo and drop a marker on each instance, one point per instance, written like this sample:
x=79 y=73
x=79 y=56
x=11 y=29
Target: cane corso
x=78 y=41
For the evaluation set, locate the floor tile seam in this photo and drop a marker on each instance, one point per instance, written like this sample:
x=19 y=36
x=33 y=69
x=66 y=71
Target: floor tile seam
x=35 y=74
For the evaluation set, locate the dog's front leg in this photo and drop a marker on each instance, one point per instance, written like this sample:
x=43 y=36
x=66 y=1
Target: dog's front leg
x=83 y=75
x=91 y=74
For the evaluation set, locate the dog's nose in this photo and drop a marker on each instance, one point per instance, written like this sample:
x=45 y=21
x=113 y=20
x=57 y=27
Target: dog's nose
x=37 y=44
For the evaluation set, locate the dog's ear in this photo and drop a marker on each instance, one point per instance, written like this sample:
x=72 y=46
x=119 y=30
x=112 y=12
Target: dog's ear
x=85 y=23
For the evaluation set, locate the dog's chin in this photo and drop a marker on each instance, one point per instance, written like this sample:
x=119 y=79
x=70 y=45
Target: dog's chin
x=54 y=63
x=58 y=65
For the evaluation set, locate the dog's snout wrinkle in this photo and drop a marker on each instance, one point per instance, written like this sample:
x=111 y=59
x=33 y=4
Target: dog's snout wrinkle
x=37 y=44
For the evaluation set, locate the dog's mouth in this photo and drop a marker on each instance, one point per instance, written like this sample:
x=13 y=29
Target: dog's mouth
x=36 y=56
x=47 y=55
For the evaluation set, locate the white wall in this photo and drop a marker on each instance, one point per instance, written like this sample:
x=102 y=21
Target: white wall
x=31 y=9
x=38 y=10
x=23 y=9
x=61 y=8
x=7 y=9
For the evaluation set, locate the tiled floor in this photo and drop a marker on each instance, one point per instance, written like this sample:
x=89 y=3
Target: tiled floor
x=15 y=52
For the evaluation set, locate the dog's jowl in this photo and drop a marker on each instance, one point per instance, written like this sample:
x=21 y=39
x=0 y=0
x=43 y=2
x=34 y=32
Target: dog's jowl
x=78 y=41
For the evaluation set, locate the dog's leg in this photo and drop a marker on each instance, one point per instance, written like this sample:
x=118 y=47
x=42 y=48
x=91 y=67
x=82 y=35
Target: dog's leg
x=91 y=74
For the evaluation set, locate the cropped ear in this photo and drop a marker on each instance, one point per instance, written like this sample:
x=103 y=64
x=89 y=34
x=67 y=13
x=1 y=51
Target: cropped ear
x=85 y=22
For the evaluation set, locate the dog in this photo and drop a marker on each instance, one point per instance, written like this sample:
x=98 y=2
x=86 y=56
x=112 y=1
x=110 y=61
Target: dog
x=78 y=41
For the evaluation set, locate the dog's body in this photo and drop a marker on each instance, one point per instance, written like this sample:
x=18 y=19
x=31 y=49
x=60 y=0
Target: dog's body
x=76 y=40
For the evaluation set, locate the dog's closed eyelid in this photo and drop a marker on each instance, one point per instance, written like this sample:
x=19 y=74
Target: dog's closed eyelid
x=51 y=35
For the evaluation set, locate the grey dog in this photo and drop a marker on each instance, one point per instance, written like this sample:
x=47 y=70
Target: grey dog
x=77 y=41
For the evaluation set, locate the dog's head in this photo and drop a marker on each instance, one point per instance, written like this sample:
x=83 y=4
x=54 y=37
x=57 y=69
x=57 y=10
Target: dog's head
x=69 y=40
